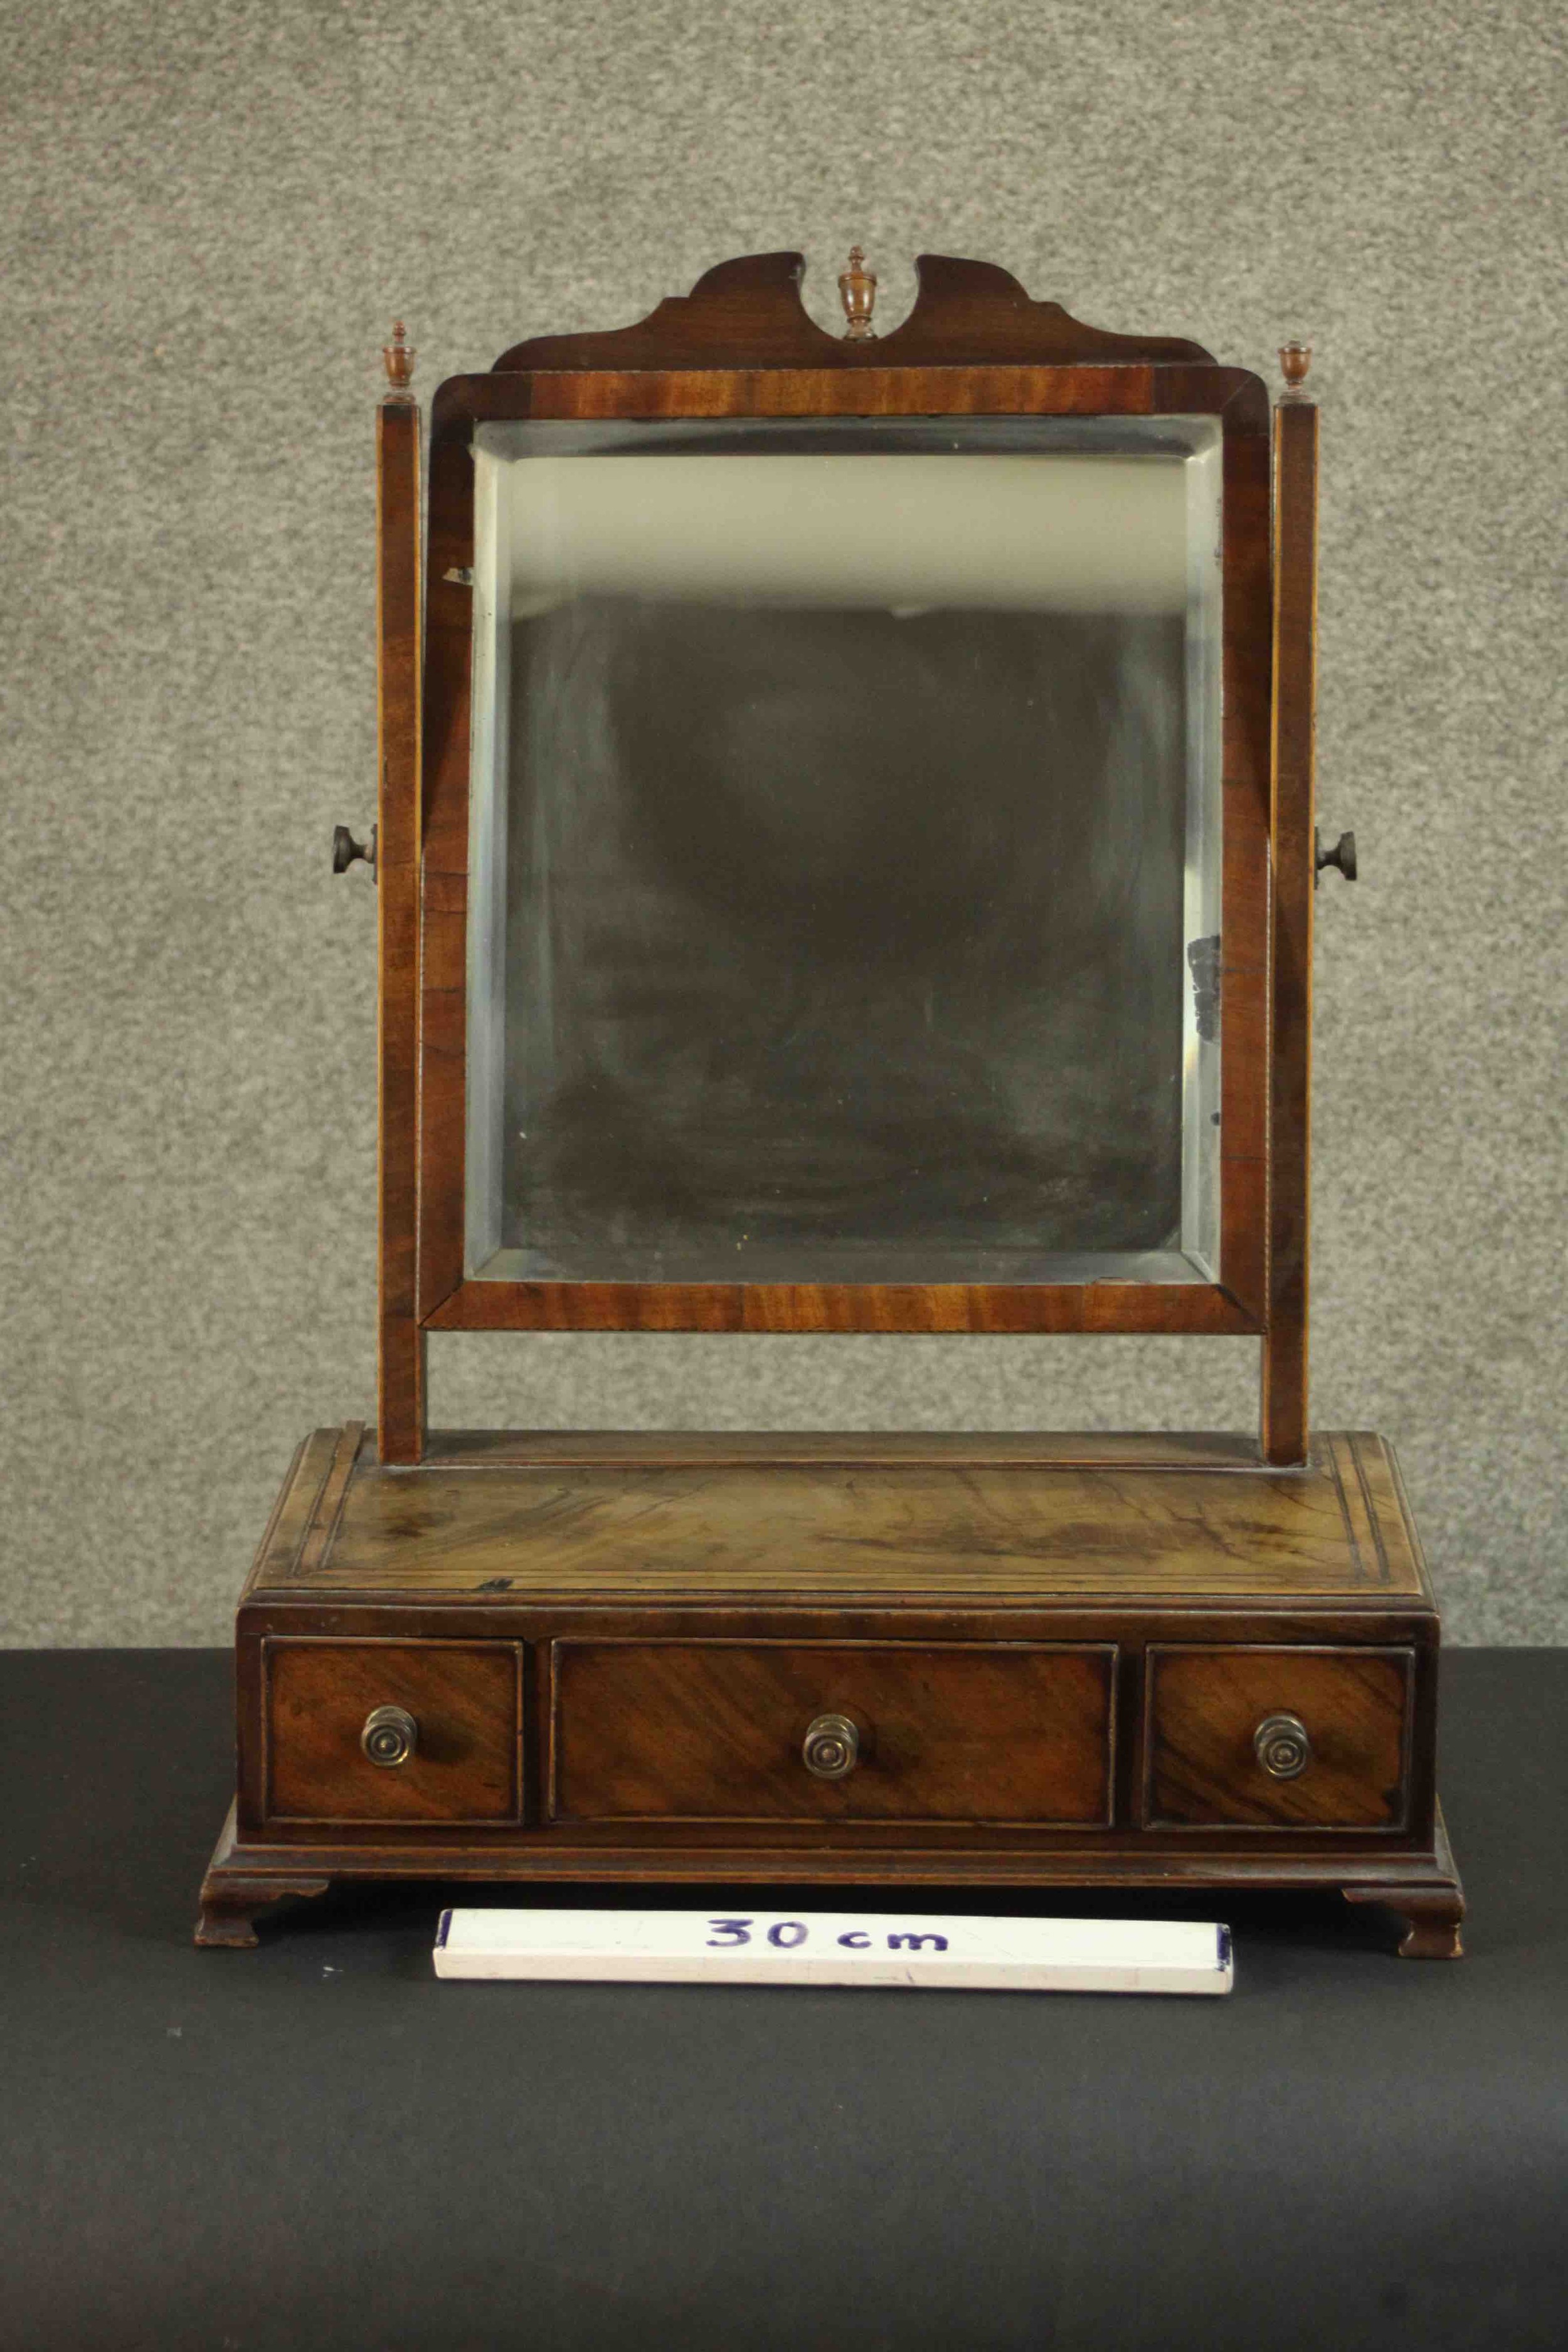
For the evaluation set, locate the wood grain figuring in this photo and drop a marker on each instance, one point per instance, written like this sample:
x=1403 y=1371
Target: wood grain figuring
x=708 y=1529
x=842 y=1307
x=712 y=1731
x=814 y=379
x=465 y=1697
x=1204 y=1705
x=748 y=313
x=1285 y=1349
x=400 y=1343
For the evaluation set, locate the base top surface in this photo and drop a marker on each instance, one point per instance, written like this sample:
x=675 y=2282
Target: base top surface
x=841 y=1516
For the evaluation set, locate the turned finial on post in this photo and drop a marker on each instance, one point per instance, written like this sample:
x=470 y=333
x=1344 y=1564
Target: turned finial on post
x=1295 y=359
x=398 y=357
x=858 y=292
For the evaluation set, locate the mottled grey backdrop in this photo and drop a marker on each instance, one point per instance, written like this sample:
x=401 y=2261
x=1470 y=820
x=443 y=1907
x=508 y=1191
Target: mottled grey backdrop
x=212 y=215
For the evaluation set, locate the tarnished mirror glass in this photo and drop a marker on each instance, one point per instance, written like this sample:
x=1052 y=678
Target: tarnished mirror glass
x=845 y=851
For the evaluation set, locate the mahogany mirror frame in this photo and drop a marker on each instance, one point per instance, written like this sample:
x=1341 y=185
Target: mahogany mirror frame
x=740 y=345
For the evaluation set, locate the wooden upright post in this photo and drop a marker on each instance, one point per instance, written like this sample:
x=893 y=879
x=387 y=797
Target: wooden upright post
x=1285 y=1427
x=400 y=1350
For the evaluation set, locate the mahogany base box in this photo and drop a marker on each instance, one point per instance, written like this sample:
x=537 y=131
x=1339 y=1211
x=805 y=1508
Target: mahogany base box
x=897 y=1660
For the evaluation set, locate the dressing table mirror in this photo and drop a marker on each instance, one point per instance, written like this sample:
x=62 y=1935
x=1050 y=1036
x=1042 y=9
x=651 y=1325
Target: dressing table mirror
x=845 y=863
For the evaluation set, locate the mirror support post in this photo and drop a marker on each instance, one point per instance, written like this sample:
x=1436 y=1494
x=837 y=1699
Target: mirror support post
x=1285 y=1425
x=400 y=1341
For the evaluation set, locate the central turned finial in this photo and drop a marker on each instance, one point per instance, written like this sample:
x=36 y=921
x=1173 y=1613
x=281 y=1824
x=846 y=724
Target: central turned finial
x=398 y=357
x=858 y=292
x=1295 y=359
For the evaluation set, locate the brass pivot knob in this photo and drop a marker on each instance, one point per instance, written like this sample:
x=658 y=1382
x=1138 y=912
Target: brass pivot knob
x=390 y=1735
x=345 y=849
x=831 y=1748
x=1341 y=854
x=1282 y=1746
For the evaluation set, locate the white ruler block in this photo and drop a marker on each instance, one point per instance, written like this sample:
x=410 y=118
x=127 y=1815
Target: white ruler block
x=838 y=1947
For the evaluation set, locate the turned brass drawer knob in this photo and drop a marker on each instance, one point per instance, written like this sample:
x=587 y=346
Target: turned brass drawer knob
x=1282 y=1746
x=831 y=1748
x=390 y=1735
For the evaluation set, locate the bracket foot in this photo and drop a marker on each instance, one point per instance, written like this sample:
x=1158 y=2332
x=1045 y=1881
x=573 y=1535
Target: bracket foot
x=230 y=1907
x=1432 y=1918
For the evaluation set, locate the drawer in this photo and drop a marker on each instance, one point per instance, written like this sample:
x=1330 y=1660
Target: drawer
x=463 y=1698
x=715 y=1731
x=1277 y=1738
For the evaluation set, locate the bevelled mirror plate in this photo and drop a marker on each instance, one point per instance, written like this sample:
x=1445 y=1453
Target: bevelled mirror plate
x=845 y=851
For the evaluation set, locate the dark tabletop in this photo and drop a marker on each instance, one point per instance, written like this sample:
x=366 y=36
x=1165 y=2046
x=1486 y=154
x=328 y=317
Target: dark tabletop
x=316 y=2145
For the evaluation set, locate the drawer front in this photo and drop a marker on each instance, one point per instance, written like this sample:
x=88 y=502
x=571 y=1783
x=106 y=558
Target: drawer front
x=714 y=1731
x=464 y=1699
x=1277 y=1738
